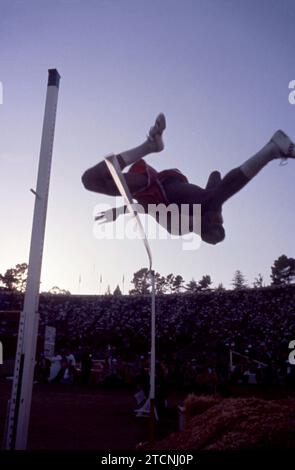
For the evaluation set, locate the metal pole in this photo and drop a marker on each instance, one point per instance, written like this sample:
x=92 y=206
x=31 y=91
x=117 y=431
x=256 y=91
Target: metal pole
x=118 y=177
x=230 y=360
x=20 y=403
x=153 y=360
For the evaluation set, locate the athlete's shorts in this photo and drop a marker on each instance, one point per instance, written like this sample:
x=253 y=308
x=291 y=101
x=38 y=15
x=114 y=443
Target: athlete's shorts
x=154 y=192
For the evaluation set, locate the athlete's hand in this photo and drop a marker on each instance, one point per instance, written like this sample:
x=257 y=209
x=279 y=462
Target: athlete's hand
x=109 y=215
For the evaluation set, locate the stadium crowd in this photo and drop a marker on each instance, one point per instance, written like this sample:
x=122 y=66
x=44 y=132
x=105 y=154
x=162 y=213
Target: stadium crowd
x=195 y=333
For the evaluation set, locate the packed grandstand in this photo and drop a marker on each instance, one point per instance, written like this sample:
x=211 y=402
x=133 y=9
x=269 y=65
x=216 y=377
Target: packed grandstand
x=196 y=333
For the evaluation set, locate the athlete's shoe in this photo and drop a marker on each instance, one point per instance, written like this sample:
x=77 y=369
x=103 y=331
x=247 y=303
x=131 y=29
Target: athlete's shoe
x=155 y=133
x=285 y=145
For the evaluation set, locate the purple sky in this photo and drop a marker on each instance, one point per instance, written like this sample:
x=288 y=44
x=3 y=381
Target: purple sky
x=219 y=69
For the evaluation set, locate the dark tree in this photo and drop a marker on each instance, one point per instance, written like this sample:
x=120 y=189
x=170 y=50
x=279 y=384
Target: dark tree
x=205 y=283
x=178 y=283
x=283 y=271
x=170 y=282
x=191 y=286
x=141 y=282
x=15 y=279
x=8 y=279
x=160 y=284
x=220 y=288
x=258 y=281
x=56 y=290
x=239 y=281
x=117 y=291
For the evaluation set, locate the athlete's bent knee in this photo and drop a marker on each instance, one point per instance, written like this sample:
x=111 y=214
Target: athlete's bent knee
x=85 y=180
x=90 y=183
x=214 y=235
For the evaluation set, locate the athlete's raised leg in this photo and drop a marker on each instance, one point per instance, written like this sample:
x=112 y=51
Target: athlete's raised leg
x=279 y=147
x=220 y=190
x=98 y=178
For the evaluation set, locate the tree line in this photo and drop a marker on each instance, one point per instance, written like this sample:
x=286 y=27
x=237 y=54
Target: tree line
x=282 y=274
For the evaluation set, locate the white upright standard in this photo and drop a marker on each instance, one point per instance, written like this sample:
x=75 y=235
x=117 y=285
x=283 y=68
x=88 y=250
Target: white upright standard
x=118 y=177
x=20 y=403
